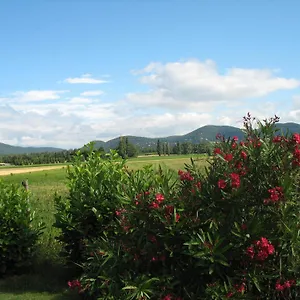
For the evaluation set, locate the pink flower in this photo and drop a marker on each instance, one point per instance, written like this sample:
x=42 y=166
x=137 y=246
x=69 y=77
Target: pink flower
x=74 y=284
x=235 y=180
x=244 y=155
x=277 y=139
x=263 y=247
x=241 y=288
x=296 y=138
x=250 y=252
x=279 y=287
x=154 y=205
x=286 y=285
x=276 y=194
x=222 y=184
x=235 y=138
x=185 y=176
x=217 y=151
x=228 y=157
x=198 y=185
x=159 y=198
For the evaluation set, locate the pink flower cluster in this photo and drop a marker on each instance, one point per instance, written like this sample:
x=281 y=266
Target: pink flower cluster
x=286 y=285
x=159 y=198
x=276 y=195
x=296 y=156
x=240 y=288
x=260 y=249
x=185 y=176
x=235 y=181
x=74 y=284
x=296 y=138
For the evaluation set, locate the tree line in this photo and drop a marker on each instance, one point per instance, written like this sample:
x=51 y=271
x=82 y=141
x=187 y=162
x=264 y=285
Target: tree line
x=125 y=149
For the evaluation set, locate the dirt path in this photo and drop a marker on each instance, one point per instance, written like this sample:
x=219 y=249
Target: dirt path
x=8 y=171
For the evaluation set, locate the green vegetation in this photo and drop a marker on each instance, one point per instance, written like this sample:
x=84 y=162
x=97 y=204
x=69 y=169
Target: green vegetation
x=18 y=234
x=126 y=149
x=231 y=232
x=47 y=279
x=53 y=157
x=8 y=149
x=204 y=236
x=173 y=162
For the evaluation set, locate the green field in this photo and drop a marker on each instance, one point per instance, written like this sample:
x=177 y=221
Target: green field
x=48 y=278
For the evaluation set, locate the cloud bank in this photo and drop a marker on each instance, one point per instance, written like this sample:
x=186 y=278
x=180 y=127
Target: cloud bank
x=177 y=97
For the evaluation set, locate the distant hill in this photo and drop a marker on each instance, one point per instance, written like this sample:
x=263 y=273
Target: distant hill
x=8 y=149
x=202 y=134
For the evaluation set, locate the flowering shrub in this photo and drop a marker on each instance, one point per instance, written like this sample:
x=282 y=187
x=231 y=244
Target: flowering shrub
x=18 y=236
x=233 y=232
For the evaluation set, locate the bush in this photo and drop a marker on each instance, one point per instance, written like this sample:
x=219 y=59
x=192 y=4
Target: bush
x=18 y=236
x=95 y=188
x=233 y=232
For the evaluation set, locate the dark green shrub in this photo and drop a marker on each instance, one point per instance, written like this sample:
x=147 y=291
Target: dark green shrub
x=18 y=235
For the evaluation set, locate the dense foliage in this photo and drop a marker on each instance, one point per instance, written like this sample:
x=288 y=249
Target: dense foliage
x=126 y=149
x=233 y=232
x=18 y=235
x=38 y=158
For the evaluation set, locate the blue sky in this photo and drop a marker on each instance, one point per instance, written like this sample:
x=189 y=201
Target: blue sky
x=74 y=71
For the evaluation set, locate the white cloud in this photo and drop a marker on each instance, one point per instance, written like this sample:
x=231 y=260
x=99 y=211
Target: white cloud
x=181 y=97
x=193 y=84
x=84 y=79
x=92 y=93
x=36 y=95
x=296 y=101
x=80 y=100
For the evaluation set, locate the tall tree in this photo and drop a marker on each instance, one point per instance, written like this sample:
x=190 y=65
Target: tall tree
x=159 y=148
x=168 y=149
x=121 y=149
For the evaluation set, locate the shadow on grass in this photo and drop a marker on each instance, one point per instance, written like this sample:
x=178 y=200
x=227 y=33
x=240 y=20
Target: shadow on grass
x=44 y=278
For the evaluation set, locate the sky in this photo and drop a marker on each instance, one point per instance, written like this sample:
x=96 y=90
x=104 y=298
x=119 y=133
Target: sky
x=73 y=71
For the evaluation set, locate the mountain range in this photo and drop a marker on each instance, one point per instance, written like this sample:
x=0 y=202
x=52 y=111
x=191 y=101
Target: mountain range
x=8 y=149
x=202 y=134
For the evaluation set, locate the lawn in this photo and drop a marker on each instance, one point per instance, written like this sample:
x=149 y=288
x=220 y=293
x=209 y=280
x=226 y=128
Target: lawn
x=47 y=280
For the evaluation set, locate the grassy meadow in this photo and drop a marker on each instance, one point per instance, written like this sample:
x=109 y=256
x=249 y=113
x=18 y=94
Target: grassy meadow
x=47 y=279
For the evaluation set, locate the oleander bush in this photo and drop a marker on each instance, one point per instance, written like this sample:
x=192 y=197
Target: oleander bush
x=232 y=232
x=19 y=231
x=96 y=186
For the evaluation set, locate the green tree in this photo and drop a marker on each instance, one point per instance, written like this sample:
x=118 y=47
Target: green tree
x=121 y=149
x=168 y=149
x=187 y=148
x=131 y=150
x=177 y=149
x=159 y=148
